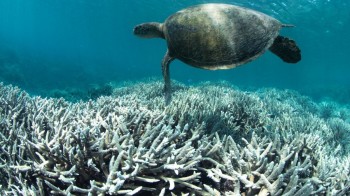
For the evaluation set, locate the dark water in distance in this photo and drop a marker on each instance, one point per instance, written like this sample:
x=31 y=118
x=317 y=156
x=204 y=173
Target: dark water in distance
x=55 y=44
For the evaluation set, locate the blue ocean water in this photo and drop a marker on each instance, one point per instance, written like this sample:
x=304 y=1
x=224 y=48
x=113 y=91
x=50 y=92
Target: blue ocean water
x=58 y=44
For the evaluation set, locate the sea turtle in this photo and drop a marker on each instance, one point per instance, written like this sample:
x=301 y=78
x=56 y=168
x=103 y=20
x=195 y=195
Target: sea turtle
x=218 y=36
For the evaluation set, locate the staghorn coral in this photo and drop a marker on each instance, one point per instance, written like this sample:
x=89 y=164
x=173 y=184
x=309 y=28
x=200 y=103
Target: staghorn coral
x=113 y=149
x=280 y=167
x=212 y=140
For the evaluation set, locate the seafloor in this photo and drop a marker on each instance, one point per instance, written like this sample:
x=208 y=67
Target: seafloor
x=213 y=139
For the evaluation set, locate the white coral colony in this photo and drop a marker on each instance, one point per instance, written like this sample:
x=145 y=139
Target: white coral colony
x=247 y=144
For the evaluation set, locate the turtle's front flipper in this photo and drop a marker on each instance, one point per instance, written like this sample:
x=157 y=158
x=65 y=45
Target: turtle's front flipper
x=286 y=49
x=166 y=75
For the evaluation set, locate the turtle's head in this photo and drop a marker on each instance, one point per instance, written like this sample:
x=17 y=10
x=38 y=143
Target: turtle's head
x=149 y=30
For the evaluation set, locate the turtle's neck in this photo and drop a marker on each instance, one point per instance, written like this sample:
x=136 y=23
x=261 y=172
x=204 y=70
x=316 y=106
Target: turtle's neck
x=158 y=31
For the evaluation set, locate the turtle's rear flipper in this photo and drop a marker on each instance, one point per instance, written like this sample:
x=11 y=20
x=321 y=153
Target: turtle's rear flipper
x=286 y=49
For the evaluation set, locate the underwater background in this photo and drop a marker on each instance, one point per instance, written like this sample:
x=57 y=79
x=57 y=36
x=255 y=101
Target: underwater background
x=61 y=44
x=265 y=128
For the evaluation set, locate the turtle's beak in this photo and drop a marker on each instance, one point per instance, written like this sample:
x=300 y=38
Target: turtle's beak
x=137 y=29
x=141 y=30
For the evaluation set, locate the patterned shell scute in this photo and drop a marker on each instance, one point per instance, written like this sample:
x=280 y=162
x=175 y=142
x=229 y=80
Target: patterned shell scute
x=219 y=36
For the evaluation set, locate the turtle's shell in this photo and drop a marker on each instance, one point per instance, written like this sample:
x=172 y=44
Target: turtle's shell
x=219 y=36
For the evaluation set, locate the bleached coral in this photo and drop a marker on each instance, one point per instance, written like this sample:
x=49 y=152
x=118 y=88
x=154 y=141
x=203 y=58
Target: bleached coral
x=211 y=140
x=85 y=148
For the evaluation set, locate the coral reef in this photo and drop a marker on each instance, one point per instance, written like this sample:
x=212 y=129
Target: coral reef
x=213 y=139
x=80 y=94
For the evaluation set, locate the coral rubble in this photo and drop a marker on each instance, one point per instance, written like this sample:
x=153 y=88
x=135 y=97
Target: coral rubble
x=212 y=139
